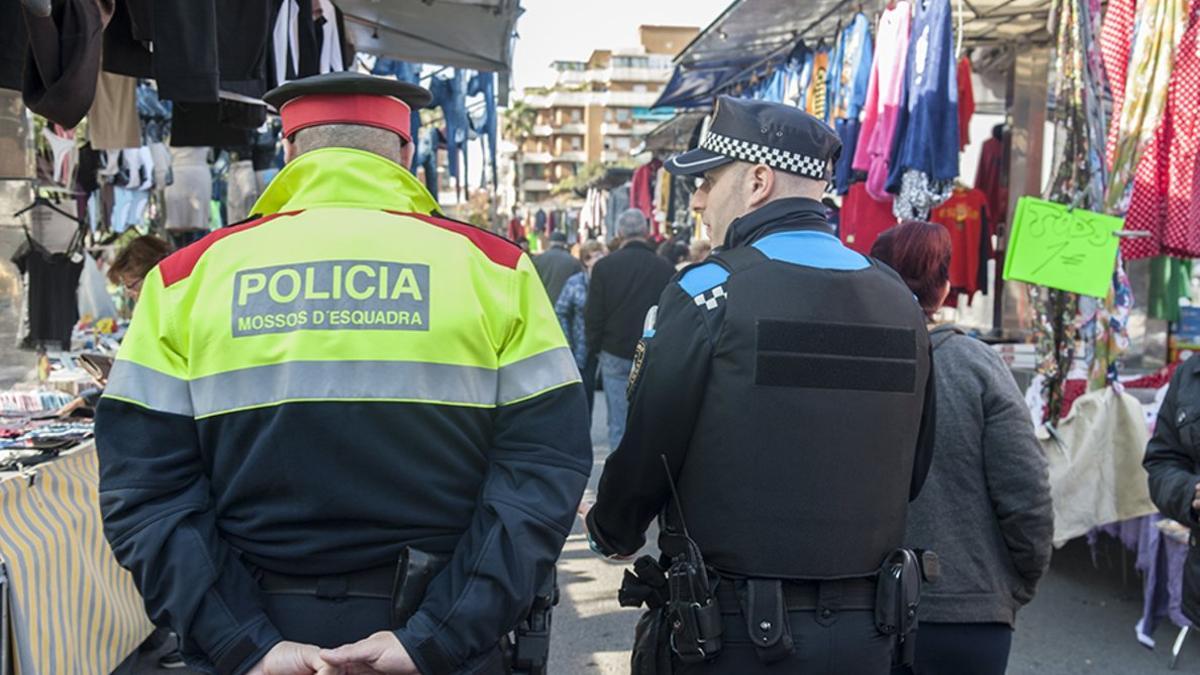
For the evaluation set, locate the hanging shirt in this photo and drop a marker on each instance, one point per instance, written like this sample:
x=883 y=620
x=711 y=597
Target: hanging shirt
x=817 y=88
x=884 y=93
x=854 y=71
x=927 y=129
x=966 y=102
x=863 y=219
x=965 y=217
x=52 y=281
x=641 y=189
x=991 y=179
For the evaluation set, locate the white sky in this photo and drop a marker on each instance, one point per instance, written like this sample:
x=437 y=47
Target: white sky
x=568 y=30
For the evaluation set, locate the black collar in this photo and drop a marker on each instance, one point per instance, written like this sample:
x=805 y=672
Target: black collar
x=640 y=243
x=793 y=213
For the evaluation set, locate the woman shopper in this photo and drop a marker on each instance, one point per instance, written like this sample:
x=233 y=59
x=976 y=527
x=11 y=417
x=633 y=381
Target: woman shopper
x=569 y=308
x=985 y=508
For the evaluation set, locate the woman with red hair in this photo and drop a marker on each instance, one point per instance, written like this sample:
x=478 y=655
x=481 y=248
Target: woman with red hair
x=985 y=508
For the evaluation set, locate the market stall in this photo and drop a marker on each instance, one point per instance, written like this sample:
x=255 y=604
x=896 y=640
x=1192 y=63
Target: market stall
x=1047 y=137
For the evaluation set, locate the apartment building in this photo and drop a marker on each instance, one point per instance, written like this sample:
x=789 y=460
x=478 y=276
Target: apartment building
x=596 y=108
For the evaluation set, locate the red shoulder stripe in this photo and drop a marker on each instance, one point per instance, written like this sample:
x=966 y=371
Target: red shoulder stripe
x=179 y=265
x=498 y=249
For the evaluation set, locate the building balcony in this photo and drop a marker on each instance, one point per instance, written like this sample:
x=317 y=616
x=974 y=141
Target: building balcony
x=543 y=130
x=615 y=129
x=536 y=185
x=571 y=156
x=536 y=158
x=610 y=156
x=628 y=99
x=648 y=75
x=571 y=129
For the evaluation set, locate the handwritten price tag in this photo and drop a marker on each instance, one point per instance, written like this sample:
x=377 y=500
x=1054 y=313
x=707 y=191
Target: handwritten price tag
x=1070 y=250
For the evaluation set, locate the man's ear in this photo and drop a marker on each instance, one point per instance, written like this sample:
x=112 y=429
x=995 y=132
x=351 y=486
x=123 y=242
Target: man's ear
x=761 y=180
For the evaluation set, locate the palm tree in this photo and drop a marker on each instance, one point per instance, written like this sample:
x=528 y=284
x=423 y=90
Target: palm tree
x=518 y=126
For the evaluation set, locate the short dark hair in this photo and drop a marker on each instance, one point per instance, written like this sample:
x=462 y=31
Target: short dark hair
x=920 y=254
x=138 y=258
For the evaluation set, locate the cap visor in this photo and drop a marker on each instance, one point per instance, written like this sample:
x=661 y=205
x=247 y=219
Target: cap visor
x=695 y=162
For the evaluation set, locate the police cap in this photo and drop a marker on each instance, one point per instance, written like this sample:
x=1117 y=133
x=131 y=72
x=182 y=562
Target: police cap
x=348 y=98
x=759 y=132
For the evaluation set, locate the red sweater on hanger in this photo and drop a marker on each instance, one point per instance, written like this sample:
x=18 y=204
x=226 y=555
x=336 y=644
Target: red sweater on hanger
x=965 y=217
x=641 y=191
x=990 y=179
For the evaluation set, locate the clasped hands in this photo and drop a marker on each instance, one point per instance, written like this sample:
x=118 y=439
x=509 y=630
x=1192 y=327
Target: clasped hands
x=379 y=654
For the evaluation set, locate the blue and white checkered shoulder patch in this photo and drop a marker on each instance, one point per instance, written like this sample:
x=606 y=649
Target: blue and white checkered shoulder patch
x=705 y=284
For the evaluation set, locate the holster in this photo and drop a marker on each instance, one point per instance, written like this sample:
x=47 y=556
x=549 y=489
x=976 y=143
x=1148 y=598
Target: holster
x=529 y=651
x=898 y=596
x=651 y=644
x=692 y=609
x=414 y=572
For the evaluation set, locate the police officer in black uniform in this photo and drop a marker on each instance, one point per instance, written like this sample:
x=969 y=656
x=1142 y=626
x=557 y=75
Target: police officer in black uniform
x=786 y=382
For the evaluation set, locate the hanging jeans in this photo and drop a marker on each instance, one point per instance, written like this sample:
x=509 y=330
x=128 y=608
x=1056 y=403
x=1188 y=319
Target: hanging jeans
x=129 y=208
x=615 y=373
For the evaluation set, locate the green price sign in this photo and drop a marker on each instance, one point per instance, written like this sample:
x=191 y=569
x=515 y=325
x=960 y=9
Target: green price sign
x=1072 y=250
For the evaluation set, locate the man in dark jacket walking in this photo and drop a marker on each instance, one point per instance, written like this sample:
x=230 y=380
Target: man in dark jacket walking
x=625 y=285
x=556 y=265
x=1173 y=462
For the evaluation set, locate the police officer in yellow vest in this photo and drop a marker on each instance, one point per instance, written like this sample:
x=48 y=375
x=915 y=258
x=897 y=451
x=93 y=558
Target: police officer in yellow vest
x=347 y=422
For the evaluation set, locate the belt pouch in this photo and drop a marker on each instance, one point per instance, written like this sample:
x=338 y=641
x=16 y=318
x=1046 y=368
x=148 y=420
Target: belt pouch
x=765 y=610
x=413 y=574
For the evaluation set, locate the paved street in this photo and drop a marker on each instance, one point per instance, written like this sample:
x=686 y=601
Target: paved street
x=1080 y=624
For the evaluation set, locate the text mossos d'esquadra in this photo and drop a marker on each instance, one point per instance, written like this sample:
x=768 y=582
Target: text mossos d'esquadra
x=331 y=295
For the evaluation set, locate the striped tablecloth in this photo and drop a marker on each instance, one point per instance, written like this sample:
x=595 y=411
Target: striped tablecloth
x=73 y=610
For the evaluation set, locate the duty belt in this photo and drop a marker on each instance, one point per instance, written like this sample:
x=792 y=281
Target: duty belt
x=800 y=596
x=374 y=583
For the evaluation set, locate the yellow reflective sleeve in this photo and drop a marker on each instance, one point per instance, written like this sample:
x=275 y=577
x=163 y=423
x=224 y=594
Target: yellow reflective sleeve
x=154 y=339
x=535 y=358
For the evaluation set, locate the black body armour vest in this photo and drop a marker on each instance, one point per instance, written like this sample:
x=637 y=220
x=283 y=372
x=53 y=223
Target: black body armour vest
x=801 y=463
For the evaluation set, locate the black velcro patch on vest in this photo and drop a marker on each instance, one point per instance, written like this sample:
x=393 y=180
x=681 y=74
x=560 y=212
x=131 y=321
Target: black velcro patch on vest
x=835 y=356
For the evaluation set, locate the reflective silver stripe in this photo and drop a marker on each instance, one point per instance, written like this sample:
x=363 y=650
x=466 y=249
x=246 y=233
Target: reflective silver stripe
x=536 y=374
x=136 y=383
x=344 y=380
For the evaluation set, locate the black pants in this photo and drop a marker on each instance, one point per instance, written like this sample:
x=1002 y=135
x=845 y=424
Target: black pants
x=956 y=648
x=844 y=643
x=331 y=623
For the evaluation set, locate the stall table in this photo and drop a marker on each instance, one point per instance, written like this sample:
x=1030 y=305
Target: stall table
x=66 y=606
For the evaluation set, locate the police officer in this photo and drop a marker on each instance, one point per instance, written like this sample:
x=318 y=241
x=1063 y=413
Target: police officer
x=348 y=422
x=786 y=381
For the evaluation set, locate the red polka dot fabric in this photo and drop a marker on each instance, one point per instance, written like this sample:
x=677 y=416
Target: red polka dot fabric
x=1166 y=193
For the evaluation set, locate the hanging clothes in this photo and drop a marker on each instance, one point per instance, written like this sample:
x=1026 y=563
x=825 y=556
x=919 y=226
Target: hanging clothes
x=485 y=84
x=411 y=73
x=992 y=175
x=187 y=198
x=113 y=118
x=800 y=96
x=965 y=216
x=1170 y=281
x=329 y=32
x=52 y=283
x=662 y=203
x=863 y=219
x=927 y=129
x=1161 y=24
x=449 y=94
x=885 y=91
x=1079 y=180
x=293 y=53
x=206 y=46
x=63 y=60
x=853 y=74
x=815 y=99
x=966 y=102
x=1116 y=46
x=641 y=190
x=1166 y=194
